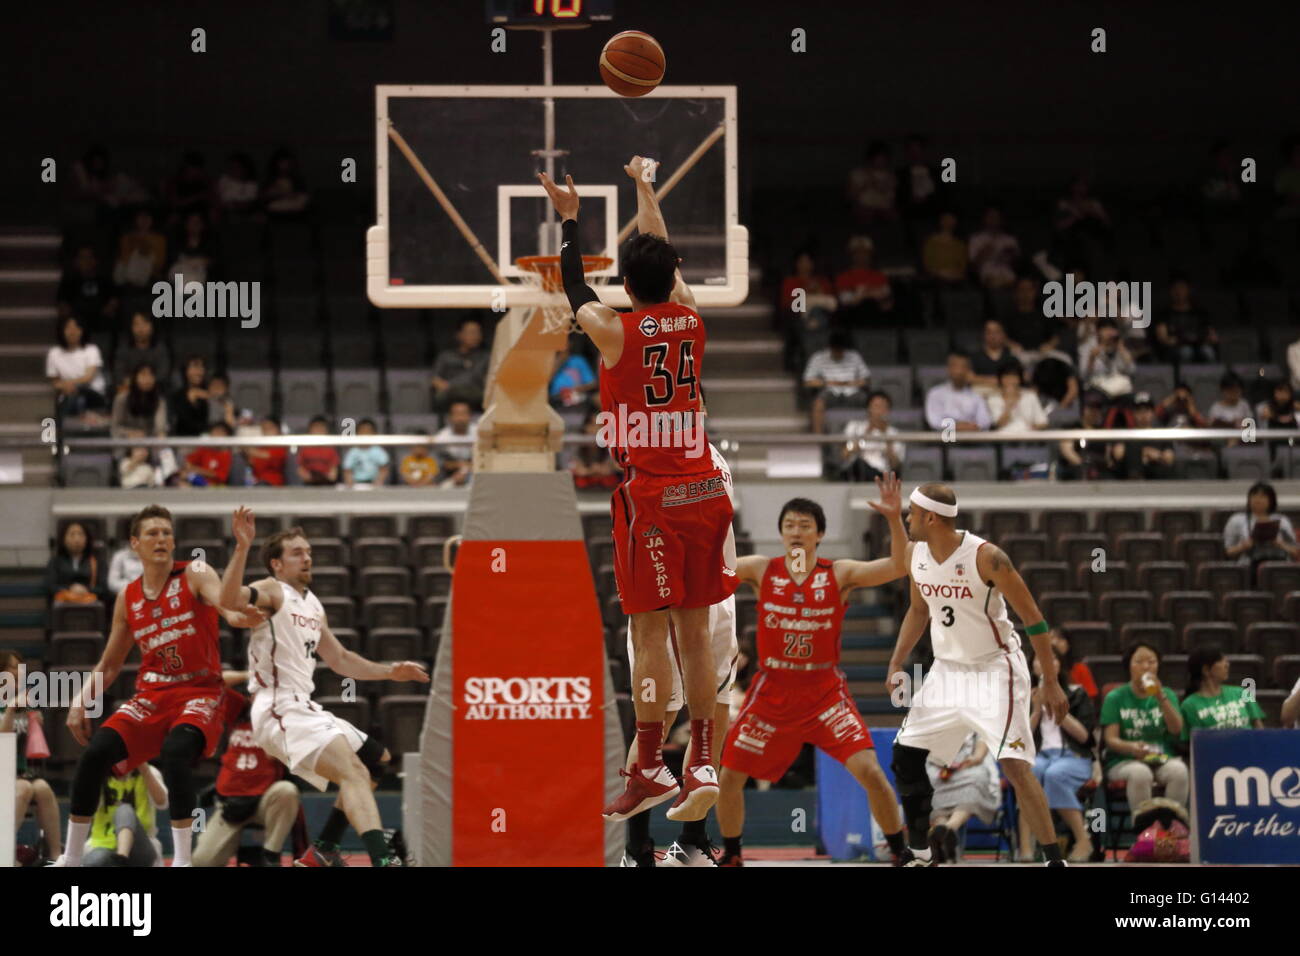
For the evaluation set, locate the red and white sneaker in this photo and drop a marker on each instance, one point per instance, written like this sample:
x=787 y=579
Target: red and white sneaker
x=642 y=792
x=699 y=793
x=315 y=856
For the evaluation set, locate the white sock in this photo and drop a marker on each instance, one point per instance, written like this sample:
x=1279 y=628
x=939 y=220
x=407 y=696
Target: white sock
x=76 y=845
x=181 y=846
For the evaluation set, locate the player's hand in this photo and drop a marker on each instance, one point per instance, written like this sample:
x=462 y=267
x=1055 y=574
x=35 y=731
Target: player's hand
x=244 y=527
x=409 y=670
x=246 y=617
x=641 y=168
x=565 y=201
x=898 y=677
x=1054 y=699
x=891 y=501
x=79 y=723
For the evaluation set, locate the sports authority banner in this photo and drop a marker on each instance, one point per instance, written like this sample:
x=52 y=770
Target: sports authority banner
x=1246 y=796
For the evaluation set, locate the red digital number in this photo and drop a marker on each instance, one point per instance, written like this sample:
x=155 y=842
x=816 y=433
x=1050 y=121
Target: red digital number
x=559 y=8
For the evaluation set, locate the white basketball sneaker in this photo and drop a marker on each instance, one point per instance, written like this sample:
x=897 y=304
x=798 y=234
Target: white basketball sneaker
x=61 y=861
x=679 y=855
x=699 y=793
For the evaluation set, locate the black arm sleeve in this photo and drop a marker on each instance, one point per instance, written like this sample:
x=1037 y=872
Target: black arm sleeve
x=575 y=285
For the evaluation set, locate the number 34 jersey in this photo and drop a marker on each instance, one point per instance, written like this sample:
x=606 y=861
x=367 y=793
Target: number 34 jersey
x=799 y=624
x=282 y=649
x=968 y=617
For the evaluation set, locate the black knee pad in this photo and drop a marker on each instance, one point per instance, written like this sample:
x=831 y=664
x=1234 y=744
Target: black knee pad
x=105 y=749
x=181 y=749
x=371 y=753
x=909 y=771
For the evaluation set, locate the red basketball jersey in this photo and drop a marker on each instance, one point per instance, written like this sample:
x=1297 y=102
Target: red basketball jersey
x=246 y=769
x=650 y=399
x=799 y=624
x=176 y=634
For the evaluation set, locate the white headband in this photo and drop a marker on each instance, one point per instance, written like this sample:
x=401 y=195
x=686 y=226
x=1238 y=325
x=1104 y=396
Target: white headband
x=938 y=507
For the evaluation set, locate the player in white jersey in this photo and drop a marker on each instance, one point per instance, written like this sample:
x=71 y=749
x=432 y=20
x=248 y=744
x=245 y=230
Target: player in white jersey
x=979 y=680
x=692 y=847
x=287 y=723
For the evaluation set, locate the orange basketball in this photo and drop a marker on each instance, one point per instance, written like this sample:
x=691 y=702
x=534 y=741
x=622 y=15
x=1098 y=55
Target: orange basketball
x=632 y=63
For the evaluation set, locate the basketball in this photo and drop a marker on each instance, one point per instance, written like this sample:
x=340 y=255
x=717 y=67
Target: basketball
x=632 y=63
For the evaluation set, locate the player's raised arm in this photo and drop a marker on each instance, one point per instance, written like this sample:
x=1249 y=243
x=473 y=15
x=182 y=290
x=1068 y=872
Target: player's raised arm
x=351 y=664
x=996 y=568
x=232 y=593
x=649 y=218
x=868 y=574
x=109 y=666
x=599 y=321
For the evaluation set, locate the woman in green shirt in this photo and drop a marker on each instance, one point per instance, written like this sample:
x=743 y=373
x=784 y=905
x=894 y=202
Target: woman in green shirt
x=1212 y=703
x=1140 y=723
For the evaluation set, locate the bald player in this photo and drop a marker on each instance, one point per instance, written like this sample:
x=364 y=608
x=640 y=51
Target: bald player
x=979 y=682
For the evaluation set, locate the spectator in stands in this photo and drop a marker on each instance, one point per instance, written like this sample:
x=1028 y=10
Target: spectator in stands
x=208 y=466
x=1221 y=189
x=221 y=407
x=1080 y=218
x=994 y=252
x=96 y=181
x=838 y=377
x=137 y=470
x=191 y=413
x=237 y=189
x=140 y=412
x=73 y=574
x=805 y=277
x=285 y=195
x=418 y=467
x=1105 y=364
x=196 y=254
x=1287 y=182
x=591 y=465
x=76 y=370
x=1178 y=409
x=993 y=356
x=574 y=379
x=123 y=568
x=1065 y=754
x=944 y=253
x=318 y=464
x=266 y=464
x=1150 y=459
x=1279 y=411
x=460 y=374
x=863 y=290
x=366 y=464
x=1291 y=708
x=918 y=180
x=141 y=347
x=865 y=455
x=29 y=789
x=124 y=830
x=1211 y=702
x=1140 y=723
x=141 y=253
x=1080 y=673
x=1182 y=331
x=967 y=786
x=955 y=400
x=872 y=186
x=807 y=303
x=1260 y=533
x=86 y=293
x=1231 y=410
x=1081 y=459
x=1014 y=408
x=456 y=459
x=190 y=190
x=1026 y=327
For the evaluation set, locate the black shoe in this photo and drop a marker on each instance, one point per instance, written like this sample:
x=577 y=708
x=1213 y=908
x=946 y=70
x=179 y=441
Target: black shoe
x=939 y=843
x=397 y=845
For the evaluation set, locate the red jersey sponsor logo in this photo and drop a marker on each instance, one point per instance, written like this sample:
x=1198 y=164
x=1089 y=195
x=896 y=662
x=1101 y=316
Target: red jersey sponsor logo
x=176 y=634
x=803 y=635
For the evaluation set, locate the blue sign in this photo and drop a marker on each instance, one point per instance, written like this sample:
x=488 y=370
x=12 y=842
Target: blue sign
x=1246 y=796
x=843 y=816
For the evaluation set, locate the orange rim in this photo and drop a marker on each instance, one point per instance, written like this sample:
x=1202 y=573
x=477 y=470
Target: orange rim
x=548 y=267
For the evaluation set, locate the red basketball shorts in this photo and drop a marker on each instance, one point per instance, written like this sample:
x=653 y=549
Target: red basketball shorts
x=145 y=720
x=779 y=717
x=669 y=534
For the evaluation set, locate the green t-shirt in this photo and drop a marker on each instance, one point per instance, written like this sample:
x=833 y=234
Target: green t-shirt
x=129 y=789
x=1229 y=709
x=1139 y=719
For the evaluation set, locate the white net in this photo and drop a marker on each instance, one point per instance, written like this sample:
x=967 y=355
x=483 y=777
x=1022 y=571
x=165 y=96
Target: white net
x=543 y=272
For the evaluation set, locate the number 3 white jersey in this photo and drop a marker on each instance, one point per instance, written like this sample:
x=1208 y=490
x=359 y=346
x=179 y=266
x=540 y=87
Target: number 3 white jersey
x=281 y=649
x=968 y=617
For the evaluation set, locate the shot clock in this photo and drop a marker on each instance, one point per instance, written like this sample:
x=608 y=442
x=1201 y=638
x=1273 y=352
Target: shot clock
x=549 y=13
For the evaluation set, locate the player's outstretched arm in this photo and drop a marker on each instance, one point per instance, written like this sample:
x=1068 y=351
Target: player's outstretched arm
x=650 y=220
x=351 y=664
x=867 y=574
x=109 y=666
x=996 y=568
x=750 y=569
x=232 y=594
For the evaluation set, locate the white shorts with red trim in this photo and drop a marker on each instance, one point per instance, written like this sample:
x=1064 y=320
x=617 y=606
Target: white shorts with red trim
x=990 y=699
x=295 y=729
x=726 y=653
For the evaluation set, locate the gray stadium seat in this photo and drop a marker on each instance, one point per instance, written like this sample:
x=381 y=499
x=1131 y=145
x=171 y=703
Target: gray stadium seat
x=1247 y=462
x=318 y=526
x=928 y=376
x=1158 y=380
x=248 y=349
x=1181 y=608
x=408 y=392
x=908 y=420
x=356 y=392
x=924 y=463
x=926 y=346
x=896 y=381
x=76 y=648
x=253 y=388
x=979 y=463
x=401 y=718
x=303 y=393
x=876 y=346
x=78 y=617
x=87 y=470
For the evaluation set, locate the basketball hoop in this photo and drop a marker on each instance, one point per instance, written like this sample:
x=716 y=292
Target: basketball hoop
x=543 y=272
